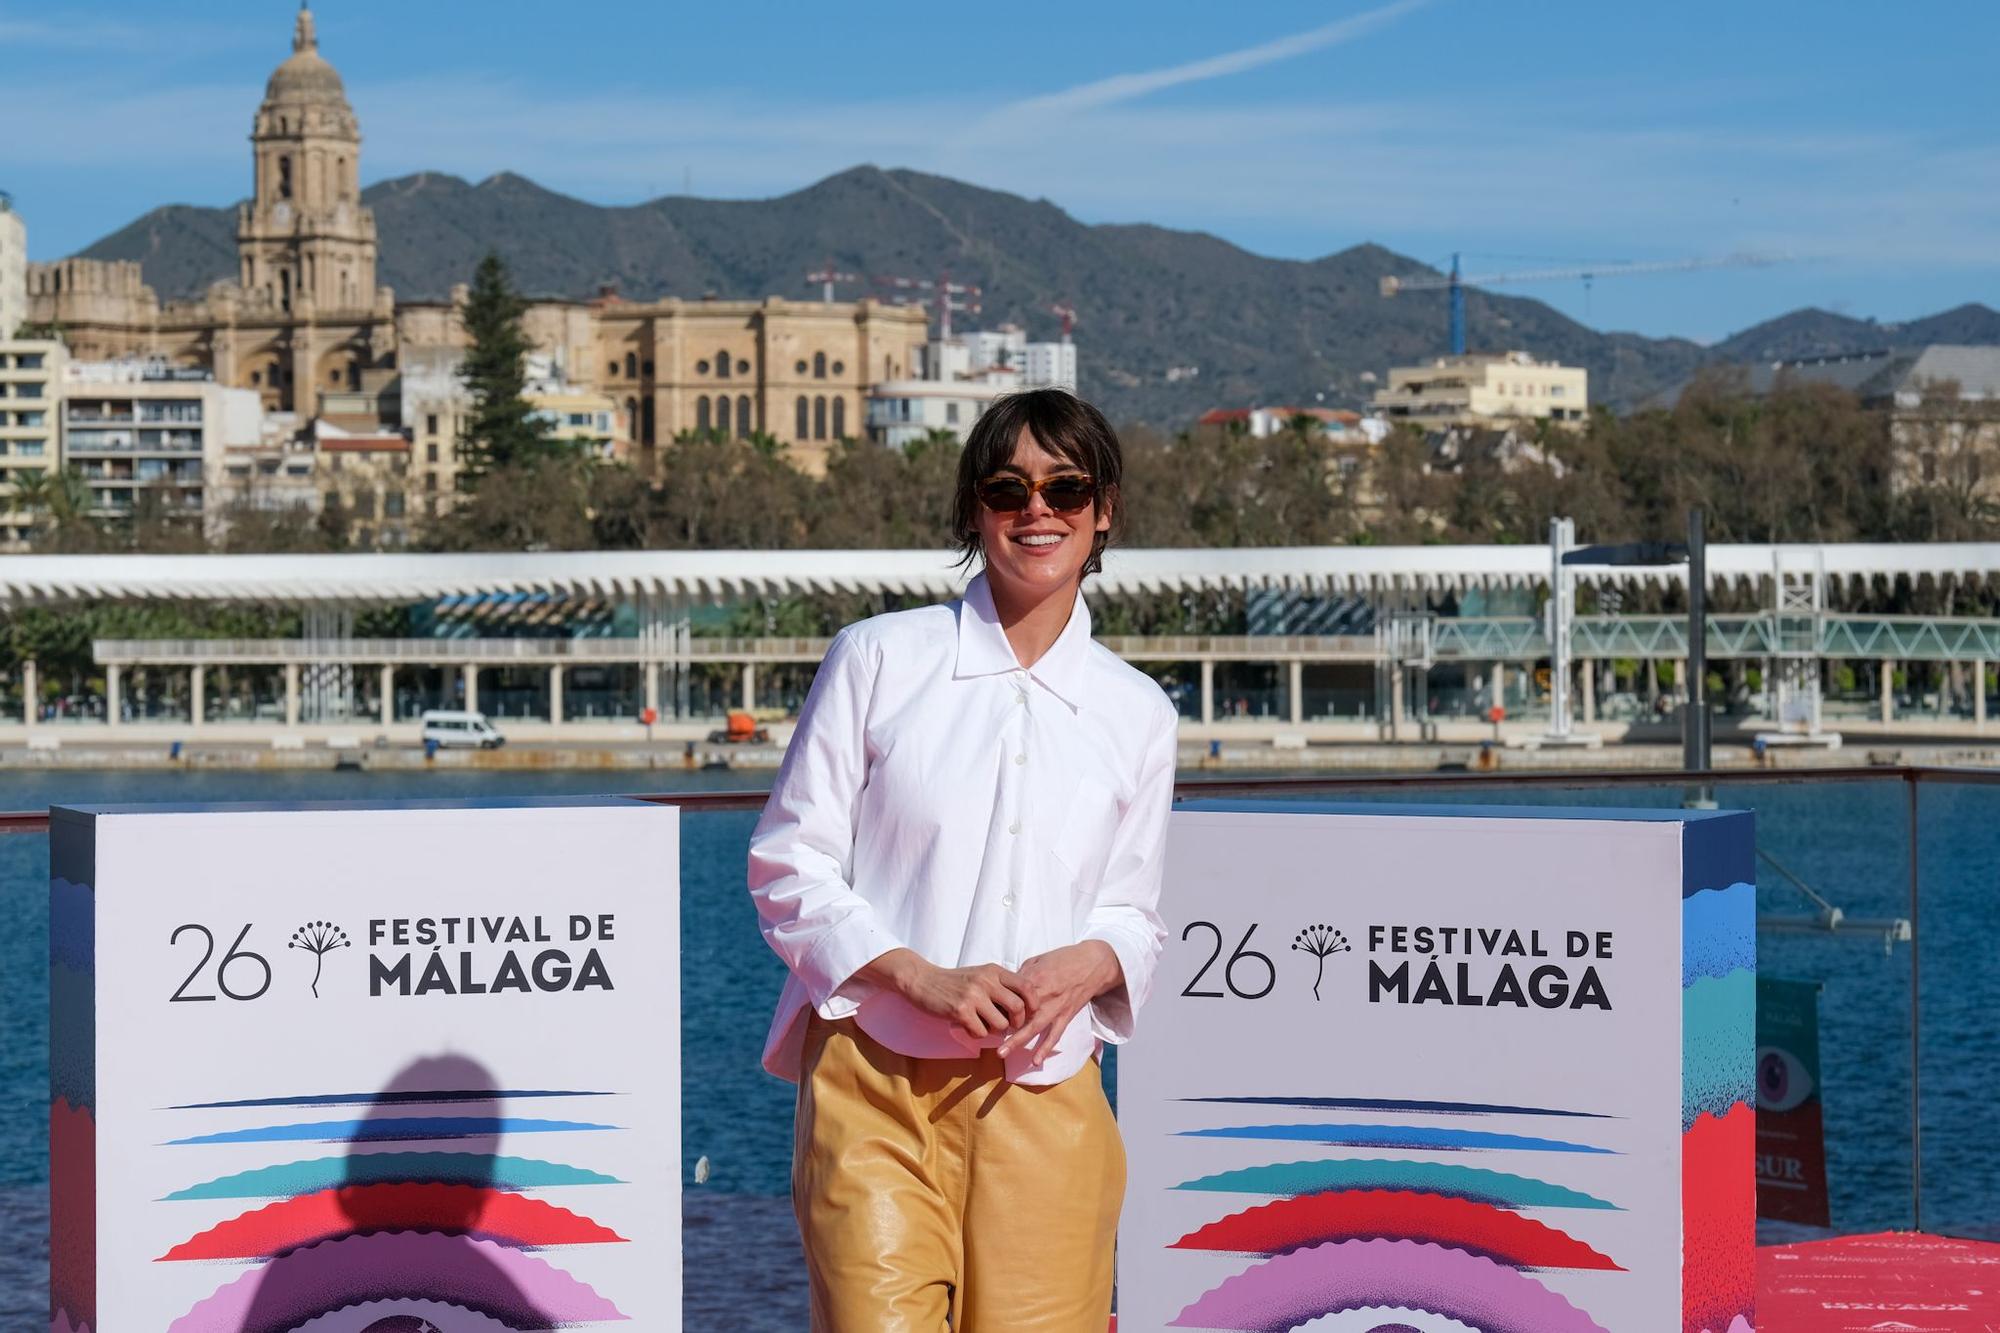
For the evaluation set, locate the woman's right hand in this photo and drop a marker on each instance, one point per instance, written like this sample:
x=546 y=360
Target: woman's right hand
x=983 y=1001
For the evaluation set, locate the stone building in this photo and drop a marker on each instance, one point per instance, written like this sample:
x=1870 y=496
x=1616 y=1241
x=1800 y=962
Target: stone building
x=304 y=322
x=13 y=269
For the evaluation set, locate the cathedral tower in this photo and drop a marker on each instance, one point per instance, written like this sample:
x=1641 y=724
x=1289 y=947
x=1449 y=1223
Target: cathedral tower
x=307 y=246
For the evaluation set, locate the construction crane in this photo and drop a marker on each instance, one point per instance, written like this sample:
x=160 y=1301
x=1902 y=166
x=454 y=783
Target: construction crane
x=826 y=276
x=1456 y=283
x=946 y=297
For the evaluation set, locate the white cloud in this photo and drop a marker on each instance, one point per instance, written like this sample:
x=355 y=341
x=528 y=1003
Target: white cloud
x=1126 y=87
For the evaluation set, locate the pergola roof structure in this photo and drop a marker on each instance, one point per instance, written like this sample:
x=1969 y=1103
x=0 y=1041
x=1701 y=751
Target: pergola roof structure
x=721 y=576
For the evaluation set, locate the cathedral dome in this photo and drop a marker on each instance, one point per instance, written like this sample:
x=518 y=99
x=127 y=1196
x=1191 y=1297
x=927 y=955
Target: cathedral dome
x=306 y=77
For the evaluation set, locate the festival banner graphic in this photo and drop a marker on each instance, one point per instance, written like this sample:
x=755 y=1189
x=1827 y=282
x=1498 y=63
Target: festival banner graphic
x=1445 y=1068
x=365 y=1068
x=1791 y=1140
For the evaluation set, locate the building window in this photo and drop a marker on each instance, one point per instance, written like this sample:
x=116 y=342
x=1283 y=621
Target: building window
x=430 y=453
x=839 y=369
x=840 y=418
x=800 y=368
x=284 y=177
x=701 y=413
x=701 y=367
x=743 y=367
x=819 y=365
x=804 y=420
x=392 y=505
x=722 y=365
x=611 y=369
x=646 y=432
x=951 y=414
x=819 y=418
x=646 y=368
x=430 y=423
x=743 y=423
x=28 y=361
x=722 y=415
x=632 y=415
x=256 y=378
x=631 y=366
x=431 y=482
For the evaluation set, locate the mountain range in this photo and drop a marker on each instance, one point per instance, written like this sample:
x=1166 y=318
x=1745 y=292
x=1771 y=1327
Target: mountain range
x=1152 y=304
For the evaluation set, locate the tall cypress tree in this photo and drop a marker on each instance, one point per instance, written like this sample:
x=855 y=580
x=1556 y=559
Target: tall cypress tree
x=499 y=431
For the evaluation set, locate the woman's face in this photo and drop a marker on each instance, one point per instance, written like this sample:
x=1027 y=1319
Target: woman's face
x=1036 y=552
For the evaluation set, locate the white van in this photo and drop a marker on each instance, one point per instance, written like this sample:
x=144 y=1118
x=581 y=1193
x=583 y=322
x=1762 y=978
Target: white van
x=452 y=728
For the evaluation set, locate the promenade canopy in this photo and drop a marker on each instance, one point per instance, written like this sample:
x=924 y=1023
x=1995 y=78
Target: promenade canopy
x=721 y=576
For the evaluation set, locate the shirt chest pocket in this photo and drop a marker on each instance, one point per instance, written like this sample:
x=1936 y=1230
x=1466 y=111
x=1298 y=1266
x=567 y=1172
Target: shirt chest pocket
x=1085 y=829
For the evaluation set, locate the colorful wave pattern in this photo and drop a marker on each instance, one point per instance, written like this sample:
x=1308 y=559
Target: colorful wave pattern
x=1444 y=1243
x=1718 y=1036
x=429 y=1228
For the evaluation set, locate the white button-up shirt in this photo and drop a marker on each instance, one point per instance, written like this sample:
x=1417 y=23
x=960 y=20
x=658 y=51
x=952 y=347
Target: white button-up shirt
x=941 y=797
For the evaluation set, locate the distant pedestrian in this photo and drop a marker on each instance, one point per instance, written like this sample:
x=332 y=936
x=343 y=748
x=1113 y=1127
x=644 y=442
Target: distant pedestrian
x=960 y=864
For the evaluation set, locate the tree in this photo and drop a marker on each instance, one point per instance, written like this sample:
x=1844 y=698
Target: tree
x=60 y=502
x=501 y=430
x=1321 y=942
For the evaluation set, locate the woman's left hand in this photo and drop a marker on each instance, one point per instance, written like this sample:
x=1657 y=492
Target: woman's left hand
x=1060 y=982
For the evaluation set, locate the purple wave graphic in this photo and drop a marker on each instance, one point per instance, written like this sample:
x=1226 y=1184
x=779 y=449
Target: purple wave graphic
x=520 y=1291
x=406 y=1314
x=1399 y=1104
x=1282 y=1293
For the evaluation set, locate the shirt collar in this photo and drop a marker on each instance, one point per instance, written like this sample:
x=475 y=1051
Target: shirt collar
x=983 y=649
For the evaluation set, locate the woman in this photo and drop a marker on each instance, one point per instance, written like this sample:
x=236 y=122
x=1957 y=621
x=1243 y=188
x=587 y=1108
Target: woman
x=960 y=863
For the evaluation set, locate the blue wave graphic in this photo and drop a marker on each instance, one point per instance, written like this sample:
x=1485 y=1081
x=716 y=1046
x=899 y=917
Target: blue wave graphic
x=388 y=1098
x=1718 y=932
x=1398 y=1104
x=397 y=1130
x=72 y=925
x=1393 y=1136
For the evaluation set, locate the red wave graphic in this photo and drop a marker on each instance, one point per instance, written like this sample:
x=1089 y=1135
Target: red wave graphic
x=472 y=1210
x=1463 y=1224
x=73 y=1212
x=1718 y=1220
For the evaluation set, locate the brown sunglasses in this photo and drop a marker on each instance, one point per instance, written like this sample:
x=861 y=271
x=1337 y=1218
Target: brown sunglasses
x=1065 y=493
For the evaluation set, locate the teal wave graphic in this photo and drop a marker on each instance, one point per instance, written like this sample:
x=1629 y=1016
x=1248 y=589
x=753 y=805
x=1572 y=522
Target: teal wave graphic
x=292 y=1179
x=1718 y=1045
x=1498 y=1188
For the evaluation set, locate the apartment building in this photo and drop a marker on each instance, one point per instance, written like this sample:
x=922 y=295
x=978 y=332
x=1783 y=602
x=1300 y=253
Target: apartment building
x=1485 y=390
x=139 y=432
x=30 y=439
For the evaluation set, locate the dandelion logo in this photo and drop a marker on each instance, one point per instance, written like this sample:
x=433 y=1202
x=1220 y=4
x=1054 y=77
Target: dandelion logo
x=319 y=938
x=1321 y=942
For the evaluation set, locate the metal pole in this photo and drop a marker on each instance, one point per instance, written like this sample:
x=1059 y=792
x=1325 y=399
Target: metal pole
x=1916 y=1031
x=1696 y=756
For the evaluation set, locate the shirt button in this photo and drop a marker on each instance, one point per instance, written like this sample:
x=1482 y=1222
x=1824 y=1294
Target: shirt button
x=1020 y=759
x=1008 y=901
x=1014 y=827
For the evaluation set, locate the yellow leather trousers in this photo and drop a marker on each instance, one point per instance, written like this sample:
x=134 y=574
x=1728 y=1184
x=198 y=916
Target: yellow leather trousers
x=934 y=1194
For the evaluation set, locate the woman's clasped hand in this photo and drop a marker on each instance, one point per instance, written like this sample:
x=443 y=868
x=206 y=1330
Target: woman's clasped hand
x=1024 y=1007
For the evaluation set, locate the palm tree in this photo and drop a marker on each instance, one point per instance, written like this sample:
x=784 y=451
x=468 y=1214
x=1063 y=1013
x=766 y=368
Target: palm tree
x=60 y=501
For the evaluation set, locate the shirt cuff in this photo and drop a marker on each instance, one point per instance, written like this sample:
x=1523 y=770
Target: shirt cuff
x=1111 y=1014
x=842 y=951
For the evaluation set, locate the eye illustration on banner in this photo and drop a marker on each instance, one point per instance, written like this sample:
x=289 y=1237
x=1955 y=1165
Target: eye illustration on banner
x=319 y=938
x=1321 y=942
x=1783 y=1082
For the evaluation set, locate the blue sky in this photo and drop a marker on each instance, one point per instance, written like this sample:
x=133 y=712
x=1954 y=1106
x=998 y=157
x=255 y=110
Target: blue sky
x=1858 y=139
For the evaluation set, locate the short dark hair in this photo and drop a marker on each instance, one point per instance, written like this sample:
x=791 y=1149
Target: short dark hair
x=1061 y=423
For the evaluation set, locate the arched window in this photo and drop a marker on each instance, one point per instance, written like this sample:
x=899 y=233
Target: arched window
x=285 y=177
x=804 y=420
x=611 y=369
x=722 y=417
x=722 y=365
x=819 y=365
x=701 y=413
x=819 y=418
x=632 y=415
x=744 y=425
x=646 y=411
x=631 y=366
x=840 y=418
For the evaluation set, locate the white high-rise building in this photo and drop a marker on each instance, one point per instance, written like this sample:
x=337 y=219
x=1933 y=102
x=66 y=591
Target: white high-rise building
x=960 y=377
x=13 y=269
